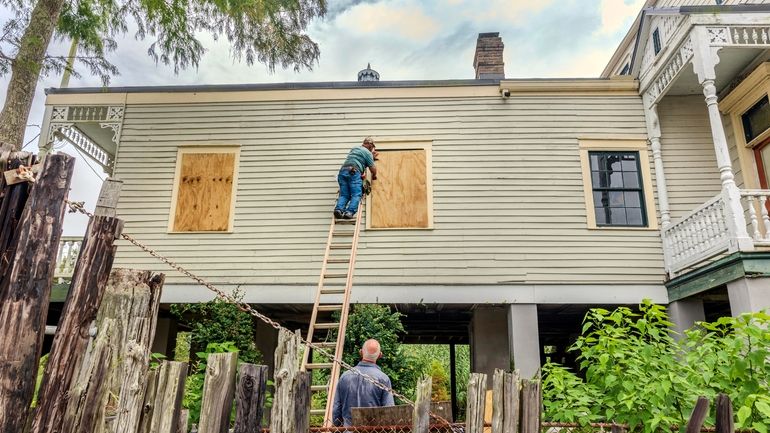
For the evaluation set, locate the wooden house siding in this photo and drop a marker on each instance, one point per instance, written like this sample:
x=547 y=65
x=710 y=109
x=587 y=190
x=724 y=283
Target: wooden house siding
x=507 y=190
x=689 y=160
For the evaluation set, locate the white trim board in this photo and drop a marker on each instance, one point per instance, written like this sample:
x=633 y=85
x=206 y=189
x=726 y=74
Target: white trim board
x=435 y=294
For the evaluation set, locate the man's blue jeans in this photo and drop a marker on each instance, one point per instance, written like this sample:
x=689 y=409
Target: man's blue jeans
x=350 y=190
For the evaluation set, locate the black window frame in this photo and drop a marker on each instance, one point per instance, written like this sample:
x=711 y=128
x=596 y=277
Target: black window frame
x=656 y=41
x=626 y=69
x=640 y=189
x=748 y=132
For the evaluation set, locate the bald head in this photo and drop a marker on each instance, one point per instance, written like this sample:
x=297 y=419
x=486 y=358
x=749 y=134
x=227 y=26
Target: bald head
x=370 y=351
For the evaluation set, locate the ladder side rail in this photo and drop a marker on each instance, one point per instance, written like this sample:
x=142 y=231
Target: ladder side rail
x=335 y=373
x=311 y=329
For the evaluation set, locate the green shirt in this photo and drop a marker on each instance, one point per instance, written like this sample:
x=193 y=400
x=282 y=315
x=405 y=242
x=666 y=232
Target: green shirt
x=360 y=158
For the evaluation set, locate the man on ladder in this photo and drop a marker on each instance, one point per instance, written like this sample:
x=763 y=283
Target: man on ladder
x=350 y=178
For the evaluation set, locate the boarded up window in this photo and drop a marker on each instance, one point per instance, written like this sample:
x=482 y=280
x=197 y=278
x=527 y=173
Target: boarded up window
x=400 y=194
x=204 y=191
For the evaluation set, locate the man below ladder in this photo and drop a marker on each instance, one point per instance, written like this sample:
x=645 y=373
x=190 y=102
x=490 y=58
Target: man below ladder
x=351 y=176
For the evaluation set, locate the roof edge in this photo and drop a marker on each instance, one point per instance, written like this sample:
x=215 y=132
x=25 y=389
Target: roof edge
x=614 y=84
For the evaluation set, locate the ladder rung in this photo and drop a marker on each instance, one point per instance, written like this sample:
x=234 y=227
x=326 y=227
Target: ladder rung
x=318 y=365
x=319 y=387
x=331 y=275
x=325 y=344
x=350 y=222
x=330 y=307
x=317 y=411
x=335 y=291
x=341 y=246
x=338 y=261
x=334 y=325
x=343 y=234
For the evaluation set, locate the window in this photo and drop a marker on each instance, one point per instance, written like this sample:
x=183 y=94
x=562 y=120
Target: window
x=756 y=120
x=656 y=41
x=402 y=196
x=626 y=69
x=204 y=189
x=617 y=184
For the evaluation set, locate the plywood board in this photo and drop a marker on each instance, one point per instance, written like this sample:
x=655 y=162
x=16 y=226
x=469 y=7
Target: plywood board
x=400 y=193
x=204 y=192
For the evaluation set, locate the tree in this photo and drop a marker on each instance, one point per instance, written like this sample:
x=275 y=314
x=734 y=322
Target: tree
x=267 y=31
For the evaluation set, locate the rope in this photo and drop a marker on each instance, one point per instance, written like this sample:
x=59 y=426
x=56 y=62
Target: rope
x=79 y=207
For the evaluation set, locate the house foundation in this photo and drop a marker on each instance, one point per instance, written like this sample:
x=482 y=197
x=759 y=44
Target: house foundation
x=684 y=314
x=748 y=295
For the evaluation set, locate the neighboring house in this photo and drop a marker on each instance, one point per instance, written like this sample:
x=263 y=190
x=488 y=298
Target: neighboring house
x=505 y=208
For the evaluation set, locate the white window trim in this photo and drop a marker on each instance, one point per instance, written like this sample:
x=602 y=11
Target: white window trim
x=408 y=144
x=618 y=145
x=184 y=149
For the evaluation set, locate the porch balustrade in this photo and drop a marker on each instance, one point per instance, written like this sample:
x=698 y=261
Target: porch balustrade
x=705 y=233
x=69 y=248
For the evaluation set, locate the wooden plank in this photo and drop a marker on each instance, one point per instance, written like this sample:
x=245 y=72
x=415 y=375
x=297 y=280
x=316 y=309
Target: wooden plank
x=283 y=414
x=250 y=398
x=87 y=288
x=724 y=417
x=399 y=197
x=421 y=413
x=25 y=291
x=184 y=417
x=148 y=402
x=302 y=395
x=11 y=208
x=698 y=416
x=205 y=187
x=22 y=174
x=108 y=197
x=531 y=401
x=512 y=402
x=168 y=397
x=498 y=399
x=476 y=399
x=218 y=392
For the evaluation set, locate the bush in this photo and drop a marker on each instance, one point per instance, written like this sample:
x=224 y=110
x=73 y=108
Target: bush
x=633 y=371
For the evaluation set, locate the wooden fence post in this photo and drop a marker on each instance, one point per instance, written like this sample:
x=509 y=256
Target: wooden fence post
x=698 y=416
x=505 y=407
x=284 y=415
x=477 y=398
x=421 y=413
x=184 y=418
x=12 y=201
x=218 y=392
x=250 y=398
x=724 y=421
x=530 y=406
x=168 y=397
x=26 y=289
x=301 y=392
x=83 y=299
x=148 y=402
x=116 y=362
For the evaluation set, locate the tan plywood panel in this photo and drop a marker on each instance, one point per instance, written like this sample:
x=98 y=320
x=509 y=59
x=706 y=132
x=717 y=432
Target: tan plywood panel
x=400 y=193
x=205 y=191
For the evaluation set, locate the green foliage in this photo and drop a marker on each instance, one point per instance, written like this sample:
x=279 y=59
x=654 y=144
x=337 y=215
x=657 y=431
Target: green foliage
x=440 y=381
x=634 y=372
x=155 y=360
x=427 y=355
x=39 y=380
x=193 y=387
x=217 y=321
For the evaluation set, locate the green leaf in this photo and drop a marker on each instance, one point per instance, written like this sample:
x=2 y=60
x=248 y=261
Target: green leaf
x=760 y=427
x=764 y=408
x=743 y=414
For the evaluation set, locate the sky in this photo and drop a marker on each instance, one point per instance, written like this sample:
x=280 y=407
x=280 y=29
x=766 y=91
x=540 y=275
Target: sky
x=402 y=39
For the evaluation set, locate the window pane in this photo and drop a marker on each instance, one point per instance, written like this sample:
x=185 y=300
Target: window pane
x=629 y=162
x=599 y=179
x=757 y=119
x=601 y=215
x=594 y=161
x=632 y=198
x=616 y=199
x=634 y=216
x=618 y=216
x=616 y=180
x=614 y=162
x=631 y=180
x=601 y=198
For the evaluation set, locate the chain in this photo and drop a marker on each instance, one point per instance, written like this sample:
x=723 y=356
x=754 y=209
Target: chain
x=80 y=208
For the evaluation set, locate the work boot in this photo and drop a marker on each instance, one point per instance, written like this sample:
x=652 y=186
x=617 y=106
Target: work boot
x=338 y=214
x=349 y=216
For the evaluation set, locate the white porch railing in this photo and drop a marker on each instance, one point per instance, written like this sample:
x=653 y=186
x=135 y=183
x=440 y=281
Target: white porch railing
x=69 y=248
x=705 y=233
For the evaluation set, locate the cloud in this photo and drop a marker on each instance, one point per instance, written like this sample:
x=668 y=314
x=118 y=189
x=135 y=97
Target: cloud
x=337 y=7
x=617 y=15
x=390 y=20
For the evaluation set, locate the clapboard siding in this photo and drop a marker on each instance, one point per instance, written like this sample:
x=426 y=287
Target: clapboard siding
x=689 y=160
x=507 y=190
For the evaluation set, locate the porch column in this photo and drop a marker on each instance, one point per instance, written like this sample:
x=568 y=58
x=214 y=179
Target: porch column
x=684 y=313
x=524 y=338
x=489 y=341
x=704 y=62
x=748 y=295
x=653 y=133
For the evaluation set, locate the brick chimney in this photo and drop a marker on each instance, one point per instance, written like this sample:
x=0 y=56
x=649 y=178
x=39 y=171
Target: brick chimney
x=488 y=60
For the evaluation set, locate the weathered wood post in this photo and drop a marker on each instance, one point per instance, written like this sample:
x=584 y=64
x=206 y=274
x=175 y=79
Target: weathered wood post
x=184 y=418
x=168 y=397
x=14 y=198
x=477 y=400
x=83 y=299
x=698 y=416
x=505 y=406
x=25 y=291
x=148 y=402
x=250 y=398
x=218 y=392
x=724 y=419
x=421 y=413
x=117 y=360
x=531 y=400
x=291 y=400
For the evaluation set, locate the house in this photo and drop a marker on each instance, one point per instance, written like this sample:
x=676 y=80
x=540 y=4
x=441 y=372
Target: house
x=507 y=207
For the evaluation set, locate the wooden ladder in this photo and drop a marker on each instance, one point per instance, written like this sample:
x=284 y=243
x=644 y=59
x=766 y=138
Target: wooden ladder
x=333 y=296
